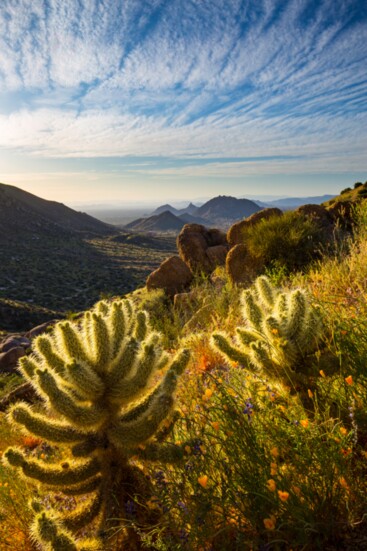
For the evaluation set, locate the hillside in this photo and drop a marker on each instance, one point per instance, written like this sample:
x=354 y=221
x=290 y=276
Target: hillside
x=24 y=213
x=56 y=258
x=166 y=221
x=355 y=194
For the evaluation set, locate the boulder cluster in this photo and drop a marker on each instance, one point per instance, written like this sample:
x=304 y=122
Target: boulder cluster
x=15 y=345
x=201 y=250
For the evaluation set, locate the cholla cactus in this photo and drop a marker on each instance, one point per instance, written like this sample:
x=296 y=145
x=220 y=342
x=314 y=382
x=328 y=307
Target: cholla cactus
x=282 y=330
x=94 y=377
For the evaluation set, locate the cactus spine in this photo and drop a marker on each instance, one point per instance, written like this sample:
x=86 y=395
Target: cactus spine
x=95 y=379
x=282 y=330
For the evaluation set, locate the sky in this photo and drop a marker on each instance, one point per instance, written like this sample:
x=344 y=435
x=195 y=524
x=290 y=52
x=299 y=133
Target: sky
x=110 y=101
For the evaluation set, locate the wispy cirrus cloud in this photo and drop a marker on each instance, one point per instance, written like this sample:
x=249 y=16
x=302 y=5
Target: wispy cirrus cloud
x=201 y=79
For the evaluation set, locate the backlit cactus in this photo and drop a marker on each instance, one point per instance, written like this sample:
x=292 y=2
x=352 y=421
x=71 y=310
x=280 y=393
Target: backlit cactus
x=282 y=329
x=95 y=379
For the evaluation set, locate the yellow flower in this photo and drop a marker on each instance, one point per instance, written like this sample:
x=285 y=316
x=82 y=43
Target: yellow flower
x=207 y=394
x=343 y=483
x=203 y=480
x=310 y=393
x=271 y=484
x=274 y=452
x=283 y=496
x=269 y=523
x=343 y=431
x=304 y=423
x=215 y=425
x=322 y=373
x=273 y=469
x=349 y=380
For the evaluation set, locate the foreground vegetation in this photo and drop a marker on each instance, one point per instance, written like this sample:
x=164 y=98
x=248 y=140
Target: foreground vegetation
x=273 y=448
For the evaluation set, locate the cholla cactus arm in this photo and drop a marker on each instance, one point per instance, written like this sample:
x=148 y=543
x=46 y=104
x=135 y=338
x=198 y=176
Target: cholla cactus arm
x=64 y=403
x=46 y=528
x=40 y=426
x=246 y=336
x=69 y=342
x=297 y=314
x=222 y=343
x=127 y=388
x=101 y=344
x=266 y=291
x=52 y=476
x=87 y=487
x=130 y=434
x=252 y=310
x=141 y=326
x=123 y=364
x=27 y=367
x=47 y=531
x=85 y=513
x=85 y=380
x=43 y=347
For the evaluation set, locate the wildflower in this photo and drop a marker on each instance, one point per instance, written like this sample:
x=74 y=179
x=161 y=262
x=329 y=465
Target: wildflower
x=249 y=409
x=269 y=523
x=207 y=394
x=310 y=393
x=275 y=331
x=304 y=423
x=203 y=480
x=273 y=469
x=349 y=380
x=343 y=483
x=274 y=452
x=346 y=452
x=215 y=425
x=42 y=456
x=271 y=484
x=343 y=431
x=322 y=373
x=283 y=496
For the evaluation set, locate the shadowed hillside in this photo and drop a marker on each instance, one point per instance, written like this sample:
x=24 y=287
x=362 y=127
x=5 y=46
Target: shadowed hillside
x=56 y=258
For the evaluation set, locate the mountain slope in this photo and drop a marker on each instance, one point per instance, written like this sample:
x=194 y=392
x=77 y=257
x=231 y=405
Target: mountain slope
x=165 y=221
x=22 y=212
x=56 y=258
x=226 y=208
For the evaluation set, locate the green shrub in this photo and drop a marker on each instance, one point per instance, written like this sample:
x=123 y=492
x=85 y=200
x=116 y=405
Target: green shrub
x=290 y=240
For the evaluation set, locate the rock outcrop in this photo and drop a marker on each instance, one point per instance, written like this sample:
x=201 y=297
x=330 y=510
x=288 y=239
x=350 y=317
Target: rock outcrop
x=318 y=213
x=201 y=249
x=173 y=275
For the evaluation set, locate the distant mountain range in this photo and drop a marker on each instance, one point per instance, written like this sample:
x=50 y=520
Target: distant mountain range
x=289 y=203
x=221 y=211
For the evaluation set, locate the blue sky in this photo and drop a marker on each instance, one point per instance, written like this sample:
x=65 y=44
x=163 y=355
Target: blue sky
x=128 y=100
